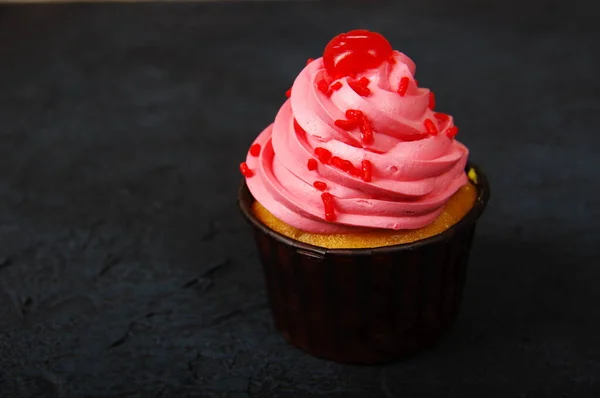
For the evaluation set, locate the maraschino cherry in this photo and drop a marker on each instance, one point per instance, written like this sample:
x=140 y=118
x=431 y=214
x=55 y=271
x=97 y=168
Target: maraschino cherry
x=349 y=54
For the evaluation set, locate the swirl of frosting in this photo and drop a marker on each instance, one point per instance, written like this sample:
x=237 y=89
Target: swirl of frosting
x=390 y=162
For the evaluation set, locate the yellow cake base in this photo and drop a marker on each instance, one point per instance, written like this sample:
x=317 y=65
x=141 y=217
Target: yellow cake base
x=456 y=208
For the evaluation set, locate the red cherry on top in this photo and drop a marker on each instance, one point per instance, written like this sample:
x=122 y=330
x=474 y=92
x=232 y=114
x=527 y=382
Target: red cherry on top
x=349 y=54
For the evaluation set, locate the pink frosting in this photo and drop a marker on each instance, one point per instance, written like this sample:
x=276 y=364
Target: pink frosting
x=414 y=173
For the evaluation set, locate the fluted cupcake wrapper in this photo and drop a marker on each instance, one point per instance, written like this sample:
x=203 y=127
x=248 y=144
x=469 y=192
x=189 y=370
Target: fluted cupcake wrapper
x=366 y=305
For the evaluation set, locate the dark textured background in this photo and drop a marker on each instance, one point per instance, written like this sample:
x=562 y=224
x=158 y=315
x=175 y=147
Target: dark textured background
x=125 y=265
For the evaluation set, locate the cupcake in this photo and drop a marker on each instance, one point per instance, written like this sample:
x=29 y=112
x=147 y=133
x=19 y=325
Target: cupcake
x=363 y=206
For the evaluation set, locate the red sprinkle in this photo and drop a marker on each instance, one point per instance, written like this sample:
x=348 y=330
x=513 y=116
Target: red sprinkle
x=255 y=150
x=364 y=81
x=363 y=123
x=341 y=163
x=345 y=165
x=361 y=90
x=403 y=86
x=452 y=131
x=323 y=154
x=442 y=117
x=354 y=114
x=336 y=86
x=430 y=127
x=346 y=124
x=391 y=59
x=312 y=164
x=431 y=100
x=367 y=130
x=320 y=185
x=329 y=206
x=308 y=61
x=367 y=170
x=246 y=172
x=356 y=172
x=323 y=87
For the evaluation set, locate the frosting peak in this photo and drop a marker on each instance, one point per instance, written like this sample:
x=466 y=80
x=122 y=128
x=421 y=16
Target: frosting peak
x=365 y=150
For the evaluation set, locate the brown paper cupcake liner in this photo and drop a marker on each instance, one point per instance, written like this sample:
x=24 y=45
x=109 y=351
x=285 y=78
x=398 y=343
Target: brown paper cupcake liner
x=366 y=306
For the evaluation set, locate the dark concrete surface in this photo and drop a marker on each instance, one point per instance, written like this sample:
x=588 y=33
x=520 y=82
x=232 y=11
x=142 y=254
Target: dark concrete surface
x=126 y=269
